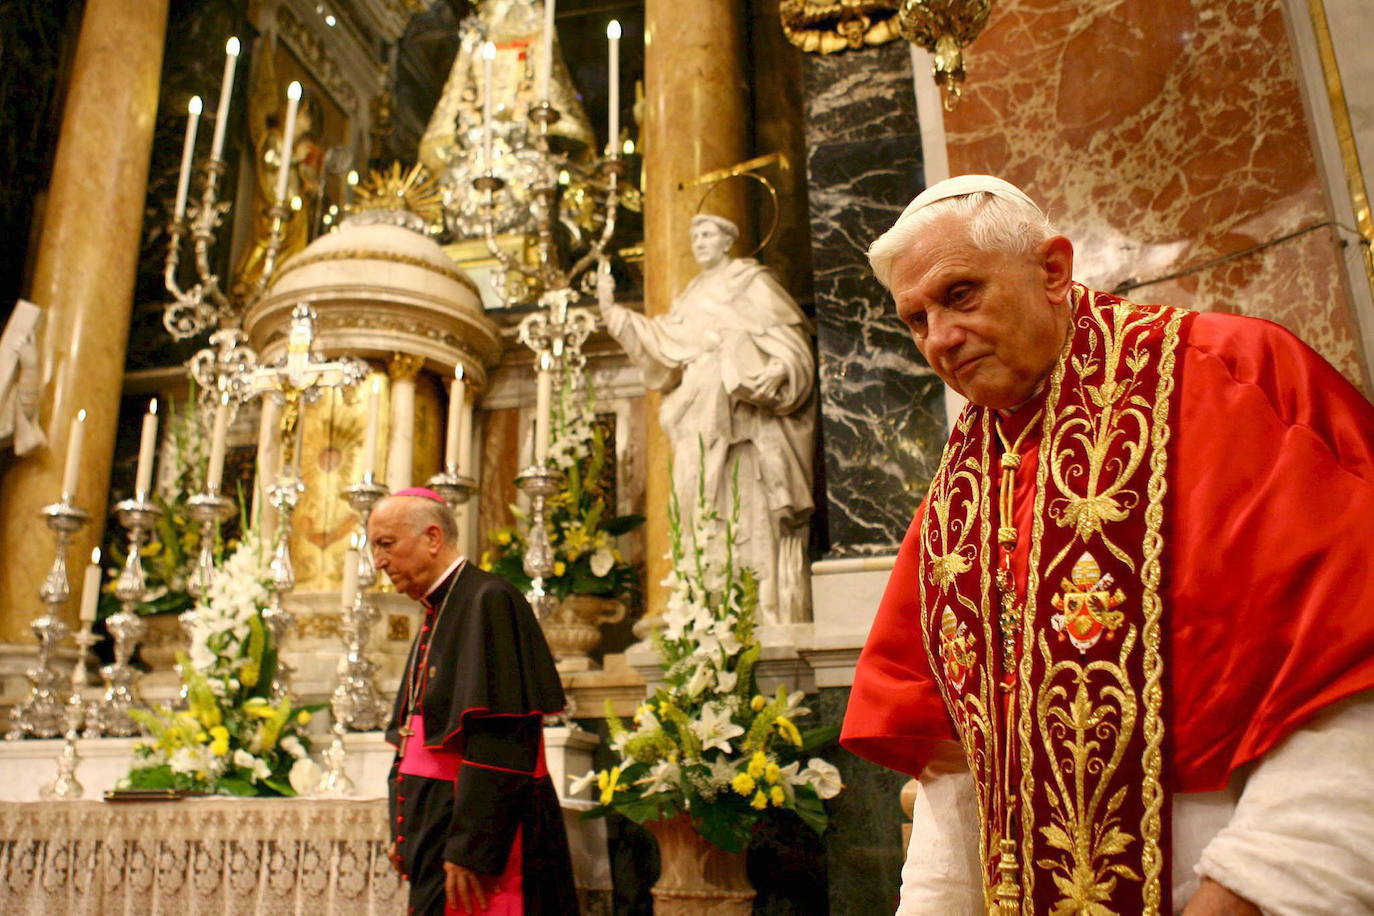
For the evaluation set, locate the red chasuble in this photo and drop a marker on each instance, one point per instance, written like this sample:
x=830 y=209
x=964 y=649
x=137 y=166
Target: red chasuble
x=1192 y=558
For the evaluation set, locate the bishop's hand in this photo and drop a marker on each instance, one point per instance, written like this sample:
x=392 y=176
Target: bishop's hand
x=465 y=889
x=1212 y=899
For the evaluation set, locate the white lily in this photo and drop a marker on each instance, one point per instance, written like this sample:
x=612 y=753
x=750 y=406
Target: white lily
x=715 y=727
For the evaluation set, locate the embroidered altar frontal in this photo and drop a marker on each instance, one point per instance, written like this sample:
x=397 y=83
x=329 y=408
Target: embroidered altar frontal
x=1066 y=747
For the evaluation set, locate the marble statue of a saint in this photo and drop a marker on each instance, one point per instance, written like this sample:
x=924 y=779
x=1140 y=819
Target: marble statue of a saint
x=20 y=381
x=733 y=358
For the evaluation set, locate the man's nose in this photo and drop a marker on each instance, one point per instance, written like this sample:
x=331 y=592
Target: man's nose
x=943 y=335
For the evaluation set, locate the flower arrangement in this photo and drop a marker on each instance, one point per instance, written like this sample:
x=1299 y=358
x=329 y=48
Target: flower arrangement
x=586 y=559
x=232 y=738
x=707 y=743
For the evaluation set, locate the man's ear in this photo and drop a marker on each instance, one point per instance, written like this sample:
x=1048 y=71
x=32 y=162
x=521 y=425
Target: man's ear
x=434 y=539
x=1056 y=259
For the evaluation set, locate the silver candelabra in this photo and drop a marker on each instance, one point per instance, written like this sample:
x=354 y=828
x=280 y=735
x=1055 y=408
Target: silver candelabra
x=40 y=714
x=138 y=516
x=284 y=495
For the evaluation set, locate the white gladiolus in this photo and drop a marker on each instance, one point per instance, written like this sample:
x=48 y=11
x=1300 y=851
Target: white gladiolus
x=292 y=745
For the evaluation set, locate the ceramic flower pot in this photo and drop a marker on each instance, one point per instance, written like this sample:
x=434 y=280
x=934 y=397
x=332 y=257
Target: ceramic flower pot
x=574 y=628
x=697 y=877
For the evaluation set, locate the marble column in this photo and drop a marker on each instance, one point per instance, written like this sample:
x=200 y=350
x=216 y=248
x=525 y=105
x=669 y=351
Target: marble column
x=696 y=120
x=401 y=451
x=84 y=278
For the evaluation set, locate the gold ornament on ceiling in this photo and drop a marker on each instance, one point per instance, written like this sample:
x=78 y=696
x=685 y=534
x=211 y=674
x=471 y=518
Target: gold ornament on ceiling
x=944 y=28
x=413 y=191
x=830 y=26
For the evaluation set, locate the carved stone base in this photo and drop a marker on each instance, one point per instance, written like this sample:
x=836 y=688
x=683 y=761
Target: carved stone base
x=697 y=877
x=575 y=629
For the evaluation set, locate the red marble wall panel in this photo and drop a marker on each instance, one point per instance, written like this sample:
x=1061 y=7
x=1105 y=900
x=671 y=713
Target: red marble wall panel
x=1162 y=136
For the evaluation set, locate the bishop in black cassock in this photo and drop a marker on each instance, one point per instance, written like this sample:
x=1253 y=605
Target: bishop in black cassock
x=477 y=821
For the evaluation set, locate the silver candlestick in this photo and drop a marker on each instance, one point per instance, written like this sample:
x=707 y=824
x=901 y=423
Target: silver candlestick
x=210 y=510
x=362 y=496
x=40 y=715
x=455 y=488
x=138 y=516
x=539 y=481
x=284 y=495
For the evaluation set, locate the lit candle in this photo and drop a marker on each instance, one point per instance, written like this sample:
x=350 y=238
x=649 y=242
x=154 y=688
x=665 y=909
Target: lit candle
x=226 y=90
x=90 y=589
x=143 y=479
x=288 y=139
x=545 y=68
x=74 y=440
x=453 y=435
x=350 y=576
x=488 y=112
x=542 y=403
x=370 y=441
x=215 y=475
x=613 y=36
x=188 y=152
x=350 y=184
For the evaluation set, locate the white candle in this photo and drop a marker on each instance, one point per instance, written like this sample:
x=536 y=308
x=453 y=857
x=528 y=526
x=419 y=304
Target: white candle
x=465 y=440
x=545 y=65
x=226 y=90
x=613 y=36
x=488 y=112
x=73 y=464
x=90 y=588
x=370 y=441
x=215 y=475
x=288 y=140
x=453 y=435
x=188 y=153
x=143 y=479
x=350 y=576
x=542 y=403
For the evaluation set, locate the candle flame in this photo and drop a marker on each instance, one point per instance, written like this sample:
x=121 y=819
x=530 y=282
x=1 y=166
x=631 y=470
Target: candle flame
x=488 y=51
x=194 y=106
x=353 y=176
x=628 y=147
x=231 y=47
x=294 y=90
x=458 y=371
x=95 y=557
x=152 y=406
x=545 y=362
x=613 y=29
x=81 y=415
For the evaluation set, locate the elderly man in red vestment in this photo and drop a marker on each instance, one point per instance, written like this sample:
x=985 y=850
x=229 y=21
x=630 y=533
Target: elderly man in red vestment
x=1127 y=646
x=478 y=826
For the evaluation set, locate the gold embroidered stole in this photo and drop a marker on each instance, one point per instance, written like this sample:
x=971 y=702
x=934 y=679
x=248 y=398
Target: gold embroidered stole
x=1084 y=755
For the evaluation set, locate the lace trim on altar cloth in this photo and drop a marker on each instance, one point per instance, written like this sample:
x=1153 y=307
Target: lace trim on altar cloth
x=263 y=856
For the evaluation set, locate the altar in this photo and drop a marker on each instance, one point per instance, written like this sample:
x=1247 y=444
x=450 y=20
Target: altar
x=220 y=854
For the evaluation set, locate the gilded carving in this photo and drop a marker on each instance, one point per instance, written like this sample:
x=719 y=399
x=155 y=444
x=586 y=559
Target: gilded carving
x=316 y=58
x=830 y=26
x=398 y=628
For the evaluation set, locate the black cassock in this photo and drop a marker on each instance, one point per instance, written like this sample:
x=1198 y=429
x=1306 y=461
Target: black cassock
x=483 y=686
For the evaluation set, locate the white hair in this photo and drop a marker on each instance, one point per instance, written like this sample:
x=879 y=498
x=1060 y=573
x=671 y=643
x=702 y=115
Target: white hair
x=995 y=223
x=421 y=512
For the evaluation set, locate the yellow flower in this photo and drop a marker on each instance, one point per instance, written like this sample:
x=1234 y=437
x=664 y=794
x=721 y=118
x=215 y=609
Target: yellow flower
x=772 y=774
x=502 y=537
x=758 y=702
x=606 y=781
x=775 y=796
x=202 y=737
x=743 y=783
x=576 y=541
x=559 y=568
x=219 y=748
x=262 y=710
x=303 y=717
x=759 y=801
x=219 y=733
x=757 y=764
x=485 y=562
x=789 y=731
